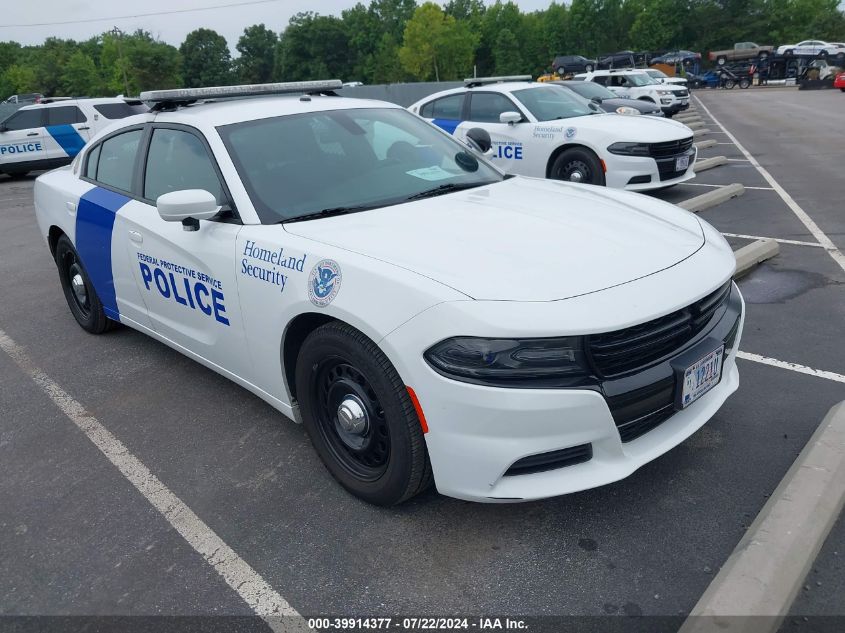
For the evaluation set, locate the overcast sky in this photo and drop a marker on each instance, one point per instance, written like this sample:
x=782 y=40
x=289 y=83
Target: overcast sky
x=229 y=22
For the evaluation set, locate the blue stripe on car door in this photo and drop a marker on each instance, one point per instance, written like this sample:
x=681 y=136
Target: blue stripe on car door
x=95 y=215
x=67 y=137
x=447 y=124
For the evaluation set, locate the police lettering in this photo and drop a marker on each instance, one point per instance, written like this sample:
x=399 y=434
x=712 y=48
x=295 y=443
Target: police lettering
x=192 y=294
x=20 y=148
x=510 y=151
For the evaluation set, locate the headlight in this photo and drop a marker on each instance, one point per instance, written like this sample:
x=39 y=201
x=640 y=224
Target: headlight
x=511 y=362
x=664 y=92
x=629 y=149
x=626 y=110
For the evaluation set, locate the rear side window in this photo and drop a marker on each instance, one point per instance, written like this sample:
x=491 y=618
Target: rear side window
x=25 y=119
x=91 y=165
x=178 y=160
x=444 y=108
x=64 y=115
x=116 y=160
x=119 y=110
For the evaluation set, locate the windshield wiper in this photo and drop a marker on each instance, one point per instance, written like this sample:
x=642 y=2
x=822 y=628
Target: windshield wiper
x=327 y=213
x=447 y=188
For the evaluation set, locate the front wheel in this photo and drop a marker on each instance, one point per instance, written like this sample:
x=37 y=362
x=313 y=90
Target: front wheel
x=588 y=68
x=578 y=164
x=721 y=60
x=359 y=416
x=79 y=292
x=729 y=84
x=744 y=83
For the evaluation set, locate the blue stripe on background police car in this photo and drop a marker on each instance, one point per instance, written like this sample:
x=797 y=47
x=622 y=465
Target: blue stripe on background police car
x=95 y=215
x=67 y=137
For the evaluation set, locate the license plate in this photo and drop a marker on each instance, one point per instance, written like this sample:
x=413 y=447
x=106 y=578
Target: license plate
x=702 y=376
x=682 y=162
x=684 y=101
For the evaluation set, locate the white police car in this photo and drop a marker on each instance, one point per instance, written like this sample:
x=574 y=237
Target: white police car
x=672 y=97
x=423 y=314
x=50 y=133
x=547 y=131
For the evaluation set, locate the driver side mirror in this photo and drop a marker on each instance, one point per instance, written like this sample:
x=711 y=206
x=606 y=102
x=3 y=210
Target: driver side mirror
x=479 y=139
x=188 y=206
x=510 y=117
x=596 y=100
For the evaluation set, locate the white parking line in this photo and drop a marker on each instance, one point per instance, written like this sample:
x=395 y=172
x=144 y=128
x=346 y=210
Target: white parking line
x=805 y=219
x=248 y=583
x=774 y=239
x=801 y=369
x=704 y=184
x=738 y=160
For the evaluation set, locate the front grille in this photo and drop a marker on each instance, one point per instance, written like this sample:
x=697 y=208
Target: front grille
x=614 y=353
x=551 y=460
x=669 y=149
x=682 y=93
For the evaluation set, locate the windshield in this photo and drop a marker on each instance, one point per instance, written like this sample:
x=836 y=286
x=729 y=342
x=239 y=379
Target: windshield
x=589 y=90
x=640 y=79
x=547 y=103
x=346 y=160
x=656 y=74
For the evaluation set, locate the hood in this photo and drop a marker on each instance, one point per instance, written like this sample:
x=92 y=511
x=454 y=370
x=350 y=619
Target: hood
x=626 y=128
x=523 y=239
x=637 y=104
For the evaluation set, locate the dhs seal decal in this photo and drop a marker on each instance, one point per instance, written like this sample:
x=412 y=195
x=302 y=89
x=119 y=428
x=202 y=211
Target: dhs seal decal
x=324 y=282
x=570 y=133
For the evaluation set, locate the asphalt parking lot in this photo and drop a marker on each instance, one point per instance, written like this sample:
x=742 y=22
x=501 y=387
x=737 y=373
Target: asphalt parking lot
x=77 y=538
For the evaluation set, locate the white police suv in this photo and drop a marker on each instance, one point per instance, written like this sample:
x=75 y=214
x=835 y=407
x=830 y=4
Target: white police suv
x=547 y=131
x=640 y=84
x=424 y=315
x=50 y=133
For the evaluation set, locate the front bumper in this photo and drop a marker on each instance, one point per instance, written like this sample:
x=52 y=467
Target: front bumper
x=478 y=433
x=644 y=173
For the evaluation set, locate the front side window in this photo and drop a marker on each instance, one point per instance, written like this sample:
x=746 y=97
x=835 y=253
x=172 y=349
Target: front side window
x=64 y=115
x=485 y=107
x=590 y=90
x=25 y=119
x=178 y=160
x=346 y=160
x=548 y=103
x=116 y=160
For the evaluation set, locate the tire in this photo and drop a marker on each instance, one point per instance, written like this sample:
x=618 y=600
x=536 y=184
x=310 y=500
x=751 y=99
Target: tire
x=788 y=52
x=82 y=299
x=764 y=55
x=577 y=164
x=588 y=68
x=721 y=60
x=729 y=84
x=842 y=89
x=822 y=54
x=386 y=461
x=744 y=83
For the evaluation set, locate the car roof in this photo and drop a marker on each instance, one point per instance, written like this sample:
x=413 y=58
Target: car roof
x=67 y=102
x=213 y=113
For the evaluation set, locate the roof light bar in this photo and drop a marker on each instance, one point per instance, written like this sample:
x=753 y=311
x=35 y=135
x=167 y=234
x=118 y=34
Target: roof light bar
x=480 y=81
x=251 y=90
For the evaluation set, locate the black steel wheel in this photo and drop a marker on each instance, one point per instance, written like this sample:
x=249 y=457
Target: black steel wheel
x=359 y=416
x=79 y=292
x=577 y=164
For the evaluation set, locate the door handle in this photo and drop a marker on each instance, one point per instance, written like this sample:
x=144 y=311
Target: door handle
x=136 y=237
x=84 y=128
x=33 y=134
x=71 y=207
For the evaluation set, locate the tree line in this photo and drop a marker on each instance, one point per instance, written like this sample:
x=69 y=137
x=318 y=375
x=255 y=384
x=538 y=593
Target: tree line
x=399 y=40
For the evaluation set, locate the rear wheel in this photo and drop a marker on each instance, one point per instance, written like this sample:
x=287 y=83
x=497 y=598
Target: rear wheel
x=588 y=68
x=721 y=60
x=79 y=292
x=578 y=164
x=788 y=52
x=744 y=83
x=359 y=416
x=729 y=84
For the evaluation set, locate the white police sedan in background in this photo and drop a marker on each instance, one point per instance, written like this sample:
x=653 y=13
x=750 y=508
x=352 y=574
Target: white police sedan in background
x=546 y=131
x=50 y=133
x=422 y=314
